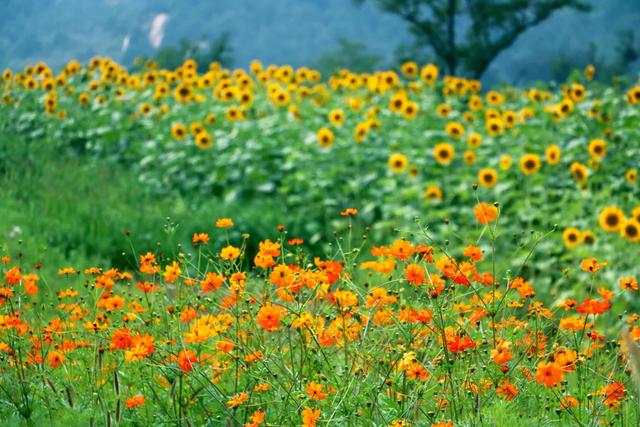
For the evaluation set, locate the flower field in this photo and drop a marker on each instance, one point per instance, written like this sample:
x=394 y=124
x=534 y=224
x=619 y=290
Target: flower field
x=391 y=249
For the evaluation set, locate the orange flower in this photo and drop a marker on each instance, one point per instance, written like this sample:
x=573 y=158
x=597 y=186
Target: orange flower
x=593 y=306
x=473 y=252
x=55 y=358
x=549 y=374
x=507 y=390
x=314 y=390
x=349 y=211
x=629 y=284
x=485 y=213
x=229 y=253
x=186 y=359
x=501 y=354
x=200 y=238
x=224 y=222
x=269 y=317
x=237 y=400
x=225 y=345
x=591 y=265
x=401 y=250
x=256 y=419
x=133 y=401
x=414 y=274
x=172 y=272
x=310 y=417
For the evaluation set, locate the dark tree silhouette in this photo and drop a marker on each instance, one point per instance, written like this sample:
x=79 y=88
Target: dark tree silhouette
x=488 y=26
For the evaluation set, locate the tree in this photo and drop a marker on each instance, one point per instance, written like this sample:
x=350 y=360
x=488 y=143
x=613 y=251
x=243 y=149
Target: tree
x=202 y=52
x=487 y=26
x=350 y=55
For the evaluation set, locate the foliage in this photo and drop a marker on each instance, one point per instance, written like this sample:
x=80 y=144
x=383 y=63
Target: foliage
x=493 y=26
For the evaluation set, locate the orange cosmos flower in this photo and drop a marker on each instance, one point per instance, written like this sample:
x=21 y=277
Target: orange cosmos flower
x=473 y=252
x=549 y=374
x=186 y=359
x=501 y=354
x=507 y=390
x=55 y=358
x=237 y=400
x=629 y=284
x=591 y=265
x=199 y=238
x=310 y=417
x=133 y=401
x=224 y=222
x=415 y=274
x=485 y=213
x=349 y=212
x=229 y=253
x=269 y=317
x=593 y=306
x=314 y=390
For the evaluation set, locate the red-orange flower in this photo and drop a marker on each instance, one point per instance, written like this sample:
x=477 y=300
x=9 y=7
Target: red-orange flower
x=485 y=213
x=549 y=374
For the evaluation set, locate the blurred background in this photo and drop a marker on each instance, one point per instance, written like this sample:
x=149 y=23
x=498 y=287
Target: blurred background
x=326 y=34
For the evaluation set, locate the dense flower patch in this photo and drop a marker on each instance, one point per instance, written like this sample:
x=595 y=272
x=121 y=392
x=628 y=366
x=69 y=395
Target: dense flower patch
x=416 y=332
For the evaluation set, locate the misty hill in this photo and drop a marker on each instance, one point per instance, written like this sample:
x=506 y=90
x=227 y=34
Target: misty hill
x=296 y=32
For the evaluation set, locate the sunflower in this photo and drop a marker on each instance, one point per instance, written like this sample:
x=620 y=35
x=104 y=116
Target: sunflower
x=409 y=69
x=475 y=103
x=505 y=162
x=183 y=93
x=494 y=126
x=495 y=98
x=454 y=129
x=577 y=92
x=588 y=238
x=635 y=214
x=195 y=128
x=552 y=154
x=325 y=137
x=597 y=148
x=204 y=140
x=397 y=102
x=444 y=153
x=474 y=140
x=564 y=107
x=469 y=157
x=530 y=164
x=398 y=162
x=631 y=176
x=443 y=110
x=488 y=177
x=571 y=237
x=429 y=73
x=432 y=193
x=611 y=218
x=336 y=117
x=178 y=131
x=234 y=113
x=579 y=171
x=630 y=230
x=410 y=110
x=509 y=118
x=145 y=109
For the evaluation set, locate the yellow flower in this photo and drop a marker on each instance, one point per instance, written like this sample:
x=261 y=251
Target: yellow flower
x=597 y=148
x=488 y=177
x=398 y=162
x=229 y=253
x=552 y=153
x=444 y=153
x=325 y=137
x=571 y=237
x=530 y=164
x=611 y=218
